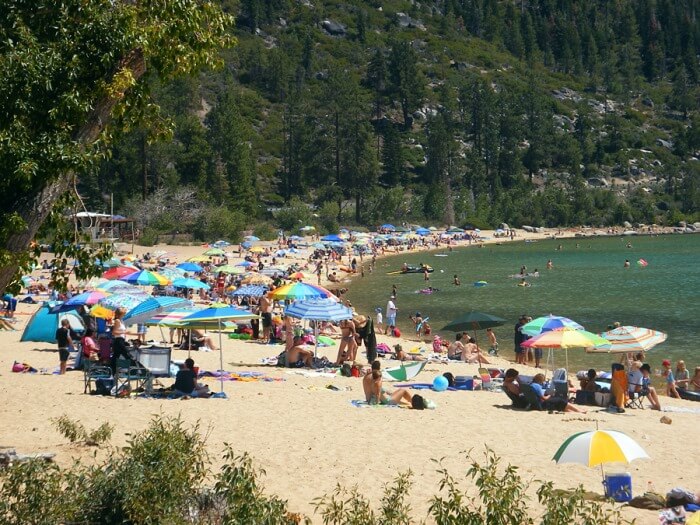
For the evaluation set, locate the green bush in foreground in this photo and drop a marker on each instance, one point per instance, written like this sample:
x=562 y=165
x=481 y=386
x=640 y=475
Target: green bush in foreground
x=160 y=478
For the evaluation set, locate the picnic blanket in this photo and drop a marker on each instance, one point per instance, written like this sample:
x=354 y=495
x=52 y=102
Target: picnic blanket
x=246 y=377
x=361 y=403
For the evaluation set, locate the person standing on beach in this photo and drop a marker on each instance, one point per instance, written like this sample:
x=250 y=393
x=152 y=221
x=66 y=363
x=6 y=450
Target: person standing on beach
x=391 y=312
x=64 y=341
x=266 y=314
x=493 y=342
x=518 y=340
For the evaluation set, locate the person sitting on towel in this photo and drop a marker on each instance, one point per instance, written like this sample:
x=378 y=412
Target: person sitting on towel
x=186 y=382
x=379 y=396
x=550 y=402
x=298 y=356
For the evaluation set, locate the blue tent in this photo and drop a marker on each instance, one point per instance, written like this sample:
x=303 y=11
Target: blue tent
x=332 y=238
x=42 y=326
x=423 y=231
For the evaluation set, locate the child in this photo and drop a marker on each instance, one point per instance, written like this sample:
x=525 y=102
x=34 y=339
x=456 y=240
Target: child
x=379 y=324
x=682 y=375
x=670 y=379
x=493 y=342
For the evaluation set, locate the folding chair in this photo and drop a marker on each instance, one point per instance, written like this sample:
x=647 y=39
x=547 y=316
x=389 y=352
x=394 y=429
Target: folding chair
x=487 y=382
x=128 y=372
x=94 y=372
x=636 y=399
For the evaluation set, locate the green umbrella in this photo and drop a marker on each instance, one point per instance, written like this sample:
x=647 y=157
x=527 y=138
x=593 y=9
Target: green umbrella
x=474 y=321
x=215 y=252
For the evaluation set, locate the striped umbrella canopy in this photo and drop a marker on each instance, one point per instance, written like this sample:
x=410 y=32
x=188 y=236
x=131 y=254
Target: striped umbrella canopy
x=126 y=301
x=83 y=299
x=299 y=291
x=300 y=276
x=565 y=338
x=146 y=278
x=596 y=447
x=273 y=270
x=246 y=264
x=218 y=314
x=190 y=284
x=120 y=287
x=250 y=290
x=214 y=251
x=229 y=268
x=547 y=323
x=318 y=310
x=152 y=306
x=112 y=263
x=171 y=318
x=119 y=271
x=171 y=273
x=630 y=339
x=190 y=267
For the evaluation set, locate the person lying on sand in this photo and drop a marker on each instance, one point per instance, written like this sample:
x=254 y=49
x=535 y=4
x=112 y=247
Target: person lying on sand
x=401 y=355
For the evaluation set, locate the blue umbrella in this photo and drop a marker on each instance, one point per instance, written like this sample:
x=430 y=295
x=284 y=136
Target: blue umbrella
x=245 y=264
x=219 y=315
x=296 y=238
x=388 y=227
x=250 y=290
x=318 y=310
x=186 y=282
x=190 y=267
x=251 y=238
x=423 y=231
x=153 y=306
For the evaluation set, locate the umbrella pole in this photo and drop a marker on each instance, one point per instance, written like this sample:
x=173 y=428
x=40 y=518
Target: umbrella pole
x=221 y=360
x=315 y=338
x=189 y=342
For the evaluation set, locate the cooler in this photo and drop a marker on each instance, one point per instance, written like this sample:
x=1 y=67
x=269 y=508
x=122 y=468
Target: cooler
x=618 y=486
x=464 y=383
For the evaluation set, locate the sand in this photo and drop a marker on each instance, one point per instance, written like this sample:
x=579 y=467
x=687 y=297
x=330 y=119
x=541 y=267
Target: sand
x=309 y=438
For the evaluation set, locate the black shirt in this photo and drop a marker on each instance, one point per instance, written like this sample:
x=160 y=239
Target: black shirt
x=62 y=336
x=184 y=381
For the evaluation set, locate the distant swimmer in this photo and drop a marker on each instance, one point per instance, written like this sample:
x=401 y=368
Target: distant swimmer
x=629 y=245
x=456 y=281
x=559 y=248
x=627 y=263
x=535 y=273
x=550 y=265
x=524 y=283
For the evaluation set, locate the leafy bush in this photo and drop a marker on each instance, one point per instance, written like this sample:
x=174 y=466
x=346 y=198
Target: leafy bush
x=75 y=432
x=293 y=216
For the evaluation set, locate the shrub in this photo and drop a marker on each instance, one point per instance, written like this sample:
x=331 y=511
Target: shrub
x=75 y=432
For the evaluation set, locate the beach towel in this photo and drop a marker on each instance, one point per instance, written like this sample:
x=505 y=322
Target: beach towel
x=361 y=403
x=429 y=386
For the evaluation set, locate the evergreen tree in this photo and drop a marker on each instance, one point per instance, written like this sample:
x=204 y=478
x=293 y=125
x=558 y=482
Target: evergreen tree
x=406 y=82
x=393 y=171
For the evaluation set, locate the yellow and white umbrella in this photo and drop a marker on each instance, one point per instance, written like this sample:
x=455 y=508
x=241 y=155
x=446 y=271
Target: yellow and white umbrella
x=596 y=447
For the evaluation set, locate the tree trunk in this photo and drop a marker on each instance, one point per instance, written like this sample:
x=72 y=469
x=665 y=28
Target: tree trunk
x=34 y=207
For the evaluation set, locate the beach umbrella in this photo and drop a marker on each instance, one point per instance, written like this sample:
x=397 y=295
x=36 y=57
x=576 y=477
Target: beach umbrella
x=217 y=314
x=188 y=283
x=299 y=276
x=474 y=321
x=257 y=249
x=171 y=273
x=83 y=299
x=250 y=290
x=119 y=287
x=251 y=238
x=299 y=291
x=198 y=258
x=171 y=318
x=119 y=271
x=246 y=244
x=246 y=264
x=296 y=238
x=273 y=270
x=229 y=268
x=318 y=310
x=214 y=252
x=332 y=238
x=423 y=231
x=596 y=447
x=318 y=246
x=259 y=279
x=629 y=339
x=307 y=228
x=387 y=227
x=145 y=278
x=190 y=267
x=153 y=306
x=112 y=263
x=565 y=338
x=547 y=323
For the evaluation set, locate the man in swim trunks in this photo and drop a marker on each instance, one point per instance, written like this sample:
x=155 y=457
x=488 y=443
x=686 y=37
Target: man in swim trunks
x=298 y=356
x=390 y=314
x=379 y=396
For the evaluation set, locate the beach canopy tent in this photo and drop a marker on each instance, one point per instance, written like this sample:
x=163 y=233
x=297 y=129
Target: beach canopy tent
x=332 y=238
x=42 y=326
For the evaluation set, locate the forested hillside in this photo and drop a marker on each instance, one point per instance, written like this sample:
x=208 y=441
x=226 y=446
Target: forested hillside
x=542 y=112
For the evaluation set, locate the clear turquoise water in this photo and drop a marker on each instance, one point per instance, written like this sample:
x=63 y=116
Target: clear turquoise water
x=588 y=284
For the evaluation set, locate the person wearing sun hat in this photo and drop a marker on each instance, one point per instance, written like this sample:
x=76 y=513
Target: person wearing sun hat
x=670 y=379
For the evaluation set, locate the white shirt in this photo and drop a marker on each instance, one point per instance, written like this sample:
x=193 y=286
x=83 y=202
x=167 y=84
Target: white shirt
x=379 y=318
x=390 y=308
x=634 y=380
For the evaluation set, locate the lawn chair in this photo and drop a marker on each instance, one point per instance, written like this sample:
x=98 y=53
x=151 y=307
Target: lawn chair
x=533 y=400
x=487 y=382
x=94 y=372
x=636 y=399
x=130 y=376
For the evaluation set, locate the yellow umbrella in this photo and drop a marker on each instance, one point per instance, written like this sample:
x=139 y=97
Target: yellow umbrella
x=257 y=249
x=258 y=278
x=199 y=258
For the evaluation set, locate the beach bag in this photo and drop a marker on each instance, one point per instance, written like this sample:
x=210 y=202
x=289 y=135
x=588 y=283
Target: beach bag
x=103 y=387
x=396 y=332
x=282 y=359
x=602 y=399
x=346 y=370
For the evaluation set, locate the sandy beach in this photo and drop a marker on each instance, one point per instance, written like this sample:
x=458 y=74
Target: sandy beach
x=309 y=438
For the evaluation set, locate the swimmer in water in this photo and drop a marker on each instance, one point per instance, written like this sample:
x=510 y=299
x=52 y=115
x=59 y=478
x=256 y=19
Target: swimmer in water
x=629 y=245
x=550 y=265
x=536 y=273
x=524 y=283
x=456 y=281
x=627 y=263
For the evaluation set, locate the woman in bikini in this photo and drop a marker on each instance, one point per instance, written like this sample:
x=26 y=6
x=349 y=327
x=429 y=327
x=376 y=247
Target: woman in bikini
x=348 y=346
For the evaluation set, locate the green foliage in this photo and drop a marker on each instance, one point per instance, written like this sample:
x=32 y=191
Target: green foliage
x=219 y=223
x=328 y=217
x=293 y=216
x=574 y=507
x=75 y=432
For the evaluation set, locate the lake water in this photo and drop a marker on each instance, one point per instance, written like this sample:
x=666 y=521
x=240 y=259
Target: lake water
x=587 y=284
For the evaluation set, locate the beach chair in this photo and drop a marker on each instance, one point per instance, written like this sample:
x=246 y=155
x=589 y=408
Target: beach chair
x=130 y=376
x=487 y=382
x=93 y=372
x=636 y=399
x=533 y=400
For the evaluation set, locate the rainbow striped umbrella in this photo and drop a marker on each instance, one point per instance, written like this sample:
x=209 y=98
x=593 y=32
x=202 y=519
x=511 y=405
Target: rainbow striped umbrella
x=119 y=271
x=152 y=306
x=146 y=278
x=83 y=299
x=119 y=287
x=630 y=339
x=299 y=291
x=547 y=323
